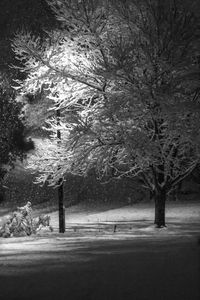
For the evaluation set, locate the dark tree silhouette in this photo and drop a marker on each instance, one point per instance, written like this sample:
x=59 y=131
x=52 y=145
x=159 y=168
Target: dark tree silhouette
x=13 y=144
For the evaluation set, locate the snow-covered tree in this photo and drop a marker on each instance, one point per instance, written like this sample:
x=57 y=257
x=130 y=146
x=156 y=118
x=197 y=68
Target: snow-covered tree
x=124 y=76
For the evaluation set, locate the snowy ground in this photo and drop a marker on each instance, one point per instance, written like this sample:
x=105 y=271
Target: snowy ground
x=181 y=218
x=92 y=262
x=84 y=269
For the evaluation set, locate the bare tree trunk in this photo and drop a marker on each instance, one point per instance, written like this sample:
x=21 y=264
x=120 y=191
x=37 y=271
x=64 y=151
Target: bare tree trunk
x=61 y=209
x=60 y=187
x=160 y=199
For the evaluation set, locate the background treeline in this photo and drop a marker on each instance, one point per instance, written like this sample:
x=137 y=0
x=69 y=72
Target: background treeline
x=19 y=188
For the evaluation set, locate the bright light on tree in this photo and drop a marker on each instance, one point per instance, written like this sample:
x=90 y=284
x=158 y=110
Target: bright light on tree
x=125 y=77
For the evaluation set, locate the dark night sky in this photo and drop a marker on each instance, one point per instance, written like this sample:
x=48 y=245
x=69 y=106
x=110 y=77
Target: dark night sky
x=33 y=14
x=15 y=14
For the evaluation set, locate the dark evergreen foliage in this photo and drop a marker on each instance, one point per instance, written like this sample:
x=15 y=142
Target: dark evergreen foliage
x=13 y=144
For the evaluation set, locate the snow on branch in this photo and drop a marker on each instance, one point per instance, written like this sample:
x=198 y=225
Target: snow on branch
x=121 y=81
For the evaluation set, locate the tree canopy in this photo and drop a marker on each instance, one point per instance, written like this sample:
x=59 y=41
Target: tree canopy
x=124 y=76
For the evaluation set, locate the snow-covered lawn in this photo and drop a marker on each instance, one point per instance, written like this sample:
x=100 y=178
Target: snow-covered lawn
x=60 y=268
x=175 y=212
x=137 y=219
x=124 y=223
x=134 y=217
x=92 y=262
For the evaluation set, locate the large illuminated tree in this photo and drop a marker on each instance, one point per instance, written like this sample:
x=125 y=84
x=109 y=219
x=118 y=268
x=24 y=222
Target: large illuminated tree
x=124 y=75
